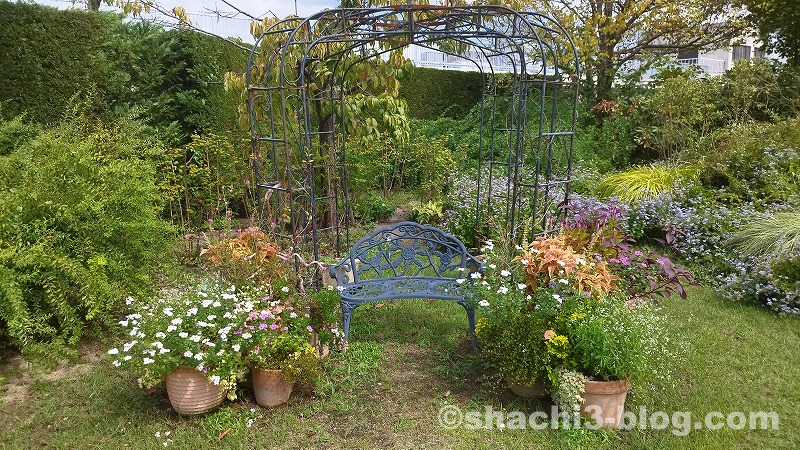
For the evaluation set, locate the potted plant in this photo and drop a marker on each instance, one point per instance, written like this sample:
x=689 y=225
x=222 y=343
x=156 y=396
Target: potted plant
x=275 y=339
x=611 y=346
x=567 y=310
x=521 y=297
x=184 y=339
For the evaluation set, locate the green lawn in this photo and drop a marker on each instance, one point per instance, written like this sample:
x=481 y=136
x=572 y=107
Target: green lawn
x=406 y=361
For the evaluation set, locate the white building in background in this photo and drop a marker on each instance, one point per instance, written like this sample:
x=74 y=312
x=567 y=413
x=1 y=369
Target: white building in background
x=716 y=62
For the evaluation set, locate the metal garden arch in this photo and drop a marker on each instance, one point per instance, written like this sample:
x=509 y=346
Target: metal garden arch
x=530 y=74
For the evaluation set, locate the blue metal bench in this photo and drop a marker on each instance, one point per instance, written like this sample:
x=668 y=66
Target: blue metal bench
x=405 y=260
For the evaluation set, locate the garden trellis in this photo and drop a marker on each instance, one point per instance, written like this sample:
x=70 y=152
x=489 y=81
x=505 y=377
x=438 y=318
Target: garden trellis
x=309 y=98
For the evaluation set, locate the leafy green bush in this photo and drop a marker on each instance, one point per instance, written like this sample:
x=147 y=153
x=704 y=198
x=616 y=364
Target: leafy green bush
x=372 y=207
x=753 y=162
x=206 y=178
x=608 y=142
x=173 y=80
x=677 y=114
x=79 y=231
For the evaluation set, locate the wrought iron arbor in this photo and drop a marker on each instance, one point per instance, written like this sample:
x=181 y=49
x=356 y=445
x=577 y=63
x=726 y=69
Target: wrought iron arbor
x=299 y=77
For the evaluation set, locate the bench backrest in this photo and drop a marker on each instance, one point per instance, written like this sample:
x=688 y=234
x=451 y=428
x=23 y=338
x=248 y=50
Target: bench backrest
x=405 y=249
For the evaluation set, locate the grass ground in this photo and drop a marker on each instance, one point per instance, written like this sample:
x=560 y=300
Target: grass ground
x=406 y=361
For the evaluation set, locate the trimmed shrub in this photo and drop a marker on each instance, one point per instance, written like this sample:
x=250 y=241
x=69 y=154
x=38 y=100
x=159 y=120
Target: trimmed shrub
x=48 y=56
x=431 y=93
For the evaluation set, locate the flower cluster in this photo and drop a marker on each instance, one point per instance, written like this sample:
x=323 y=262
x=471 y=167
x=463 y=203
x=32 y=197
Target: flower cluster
x=549 y=312
x=222 y=331
x=276 y=334
x=193 y=329
x=600 y=229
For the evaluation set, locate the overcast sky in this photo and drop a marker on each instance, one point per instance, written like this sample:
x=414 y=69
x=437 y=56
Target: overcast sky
x=201 y=11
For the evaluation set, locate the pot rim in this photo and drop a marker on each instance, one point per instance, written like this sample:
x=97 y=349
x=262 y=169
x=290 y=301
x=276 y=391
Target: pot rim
x=607 y=387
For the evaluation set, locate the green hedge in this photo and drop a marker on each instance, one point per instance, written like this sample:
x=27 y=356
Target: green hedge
x=431 y=93
x=171 y=79
x=47 y=56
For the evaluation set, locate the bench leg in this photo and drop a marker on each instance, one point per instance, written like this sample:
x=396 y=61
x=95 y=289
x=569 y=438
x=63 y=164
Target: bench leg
x=471 y=319
x=347 y=313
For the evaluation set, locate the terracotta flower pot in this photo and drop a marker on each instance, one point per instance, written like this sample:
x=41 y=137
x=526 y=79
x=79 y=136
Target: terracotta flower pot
x=605 y=400
x=535 y=390
x=271 y=387
x=191 y=392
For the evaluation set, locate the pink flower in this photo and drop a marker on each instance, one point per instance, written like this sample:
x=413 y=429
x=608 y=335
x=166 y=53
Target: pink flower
x=549 y=335
x=263 y=326
x=309 y=328
x=239 y=331
x=274 y=326
x=638 y=253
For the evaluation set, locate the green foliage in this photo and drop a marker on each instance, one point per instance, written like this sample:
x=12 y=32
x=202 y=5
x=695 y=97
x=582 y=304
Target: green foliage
x=171 y=79
x=751 y=91
x=376 y=165
x=177 y=78
x=612 y=343
x=432 y=163
x=433 y=93
x=207 y=178
x=429 y=212
x=324 y=318
x=677 y=114
x=79 y=230
x=55 y=54
x=753 y=162
x=645 y=182
x=610 y=143
x=372 y=207
x=776 y=21
x=15 y=133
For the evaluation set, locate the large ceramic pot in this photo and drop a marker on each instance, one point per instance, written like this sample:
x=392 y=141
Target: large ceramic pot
x=605 y=401
x=191 y=392
x=271 y=387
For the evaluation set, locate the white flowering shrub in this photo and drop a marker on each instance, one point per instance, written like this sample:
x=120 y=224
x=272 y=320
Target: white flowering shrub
x=195 y=328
